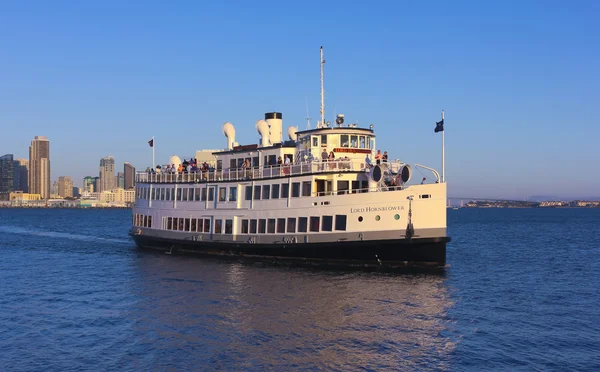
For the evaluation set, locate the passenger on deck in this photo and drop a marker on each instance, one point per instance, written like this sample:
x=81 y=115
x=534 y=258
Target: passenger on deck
x=385 y=157
x=378 y=157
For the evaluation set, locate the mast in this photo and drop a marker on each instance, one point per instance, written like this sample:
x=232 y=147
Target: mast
x=443 y=153
x=322 y=90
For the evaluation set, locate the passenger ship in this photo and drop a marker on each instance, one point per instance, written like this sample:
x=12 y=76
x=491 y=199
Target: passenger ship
x=354 y=211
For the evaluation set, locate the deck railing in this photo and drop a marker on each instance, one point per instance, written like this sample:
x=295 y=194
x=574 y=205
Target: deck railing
x=243 y=174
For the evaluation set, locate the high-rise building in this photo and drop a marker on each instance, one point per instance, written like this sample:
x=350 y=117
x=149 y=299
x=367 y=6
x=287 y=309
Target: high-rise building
x=39 y=167
x=129 y=171
x=21 y=175
x=6 y=174
x=65 y=186
x=107 y=174
x=120 y=180
x=89 y=184
x=96 y=184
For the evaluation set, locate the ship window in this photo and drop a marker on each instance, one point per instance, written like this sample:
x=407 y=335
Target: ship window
x=169 y=223
x=275 y=191
x=207 y=225
x=222 y=194
x=340 y=222
x=281 y=225
x=191 y=196
x=396 y=216
x=271 y=226
x=255 y=161
x=354 y=141
x=314 y=224
x=377 y=218
x=302 y=224
x=193 y=224
x=256 y=192
x=233 y=193
x=344 y=140
x=179 y=194
x=360 y=219
x=425 y=196
x=197 y=196
x=203 y=198
x=327 y=223
x=200 y=225
x=244 y=226
x=371 y=143
x=306 y=188
x=184 y=194
x=187 y=224
x=364 y=186
x=285 y=190
x=181 y=222
x=219 y=164
x=363 y=143
x=240 y=163
x=228 y=226
x=253 y=225
x=232 y=163
x=295 y=189
x=343 y=187
x=291 y=225
x=218 y=226
x=272 y=160
x=211 y=193
x=162 y=194
x=145 y=221
x=248 y=193
x=266 y=191
x=323 y=140
x=315 y=141
x=153 y=194
x=262 y=226
x=355 y=186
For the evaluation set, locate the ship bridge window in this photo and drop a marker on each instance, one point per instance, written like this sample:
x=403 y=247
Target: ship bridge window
x=344 y=140
x=363 y=143
x=354 y=141
x=315 y=141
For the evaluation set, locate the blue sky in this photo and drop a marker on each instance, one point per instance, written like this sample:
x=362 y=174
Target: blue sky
x=518 y=82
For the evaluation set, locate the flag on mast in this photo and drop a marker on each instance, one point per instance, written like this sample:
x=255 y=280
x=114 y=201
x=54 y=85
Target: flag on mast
x=151 y=142
x=439 y=126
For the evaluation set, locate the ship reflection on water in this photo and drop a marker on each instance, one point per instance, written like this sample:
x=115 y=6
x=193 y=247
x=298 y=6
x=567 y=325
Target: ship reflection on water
x=199 y=314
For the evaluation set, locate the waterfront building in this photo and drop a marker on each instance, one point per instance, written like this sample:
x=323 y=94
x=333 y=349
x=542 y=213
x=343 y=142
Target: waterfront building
x=65 y=187
x=6 y=174
x=89 y=184
x=76 y=192
x=39 y=166
x=107 y=174
x=120 y=180
x=129 y=174
x=21 y=175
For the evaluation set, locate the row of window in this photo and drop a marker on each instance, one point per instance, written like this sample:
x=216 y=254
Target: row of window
x=293 y=225
x=189 y=193
x=343 y=140
x=258 y=226
x=142 y=220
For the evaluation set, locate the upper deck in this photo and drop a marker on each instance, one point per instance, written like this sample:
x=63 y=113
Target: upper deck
x=315 y=167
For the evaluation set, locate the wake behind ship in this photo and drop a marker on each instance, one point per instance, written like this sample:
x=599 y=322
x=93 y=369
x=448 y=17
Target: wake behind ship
x=323 y=196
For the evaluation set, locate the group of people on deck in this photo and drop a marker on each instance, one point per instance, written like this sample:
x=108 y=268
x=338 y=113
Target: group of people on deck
x=186 y=166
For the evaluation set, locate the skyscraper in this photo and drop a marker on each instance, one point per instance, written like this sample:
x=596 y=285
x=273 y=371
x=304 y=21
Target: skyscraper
x=39 y=167
x=129 y=176
x=120 y=180
x=65 y=186
x=89 y=184
x=6 y=174
x=21 y=175
x=107 y=174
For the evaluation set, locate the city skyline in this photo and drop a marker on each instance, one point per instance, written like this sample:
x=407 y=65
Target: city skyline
x=517 y=82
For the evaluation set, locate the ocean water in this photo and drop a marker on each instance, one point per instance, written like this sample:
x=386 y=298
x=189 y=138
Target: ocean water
x=521 y=292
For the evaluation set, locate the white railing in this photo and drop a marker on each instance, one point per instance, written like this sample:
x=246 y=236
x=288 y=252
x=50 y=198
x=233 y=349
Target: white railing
x=241 y=174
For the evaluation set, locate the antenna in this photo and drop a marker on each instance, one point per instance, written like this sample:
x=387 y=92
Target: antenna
x=307 y=116
x=322 y=89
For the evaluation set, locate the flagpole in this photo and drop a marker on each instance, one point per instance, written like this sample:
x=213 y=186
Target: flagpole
x=153 y=152
x=443 y=152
